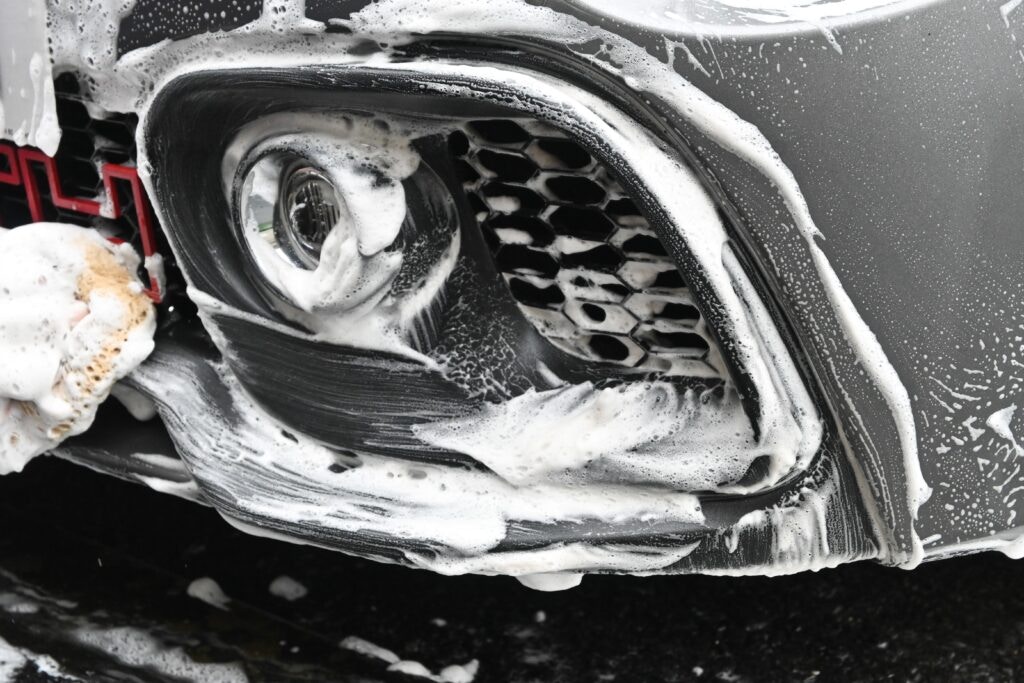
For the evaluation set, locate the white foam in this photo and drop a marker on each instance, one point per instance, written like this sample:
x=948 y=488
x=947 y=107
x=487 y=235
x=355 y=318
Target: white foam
x=138 y=405
x=12 y=660
x=454 y=673
x=368 y=649
x=137 y=648
x=550 y=582
x=208 y=591
x=73 y=321
x=999 y=422
x=465 y=510
x=647 y=431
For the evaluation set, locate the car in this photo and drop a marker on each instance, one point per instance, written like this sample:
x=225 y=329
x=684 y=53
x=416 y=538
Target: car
x=536 y=289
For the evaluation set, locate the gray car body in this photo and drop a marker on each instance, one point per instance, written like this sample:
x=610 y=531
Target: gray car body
x=903 y=126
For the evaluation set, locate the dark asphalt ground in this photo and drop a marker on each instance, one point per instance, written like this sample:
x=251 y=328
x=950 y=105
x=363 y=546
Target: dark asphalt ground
x=92 y=550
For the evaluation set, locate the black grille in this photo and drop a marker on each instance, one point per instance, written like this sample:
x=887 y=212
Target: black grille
x=580 y=259
x=88 y=140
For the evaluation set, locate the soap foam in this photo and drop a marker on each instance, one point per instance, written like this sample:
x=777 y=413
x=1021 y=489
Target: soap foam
x=74 y=319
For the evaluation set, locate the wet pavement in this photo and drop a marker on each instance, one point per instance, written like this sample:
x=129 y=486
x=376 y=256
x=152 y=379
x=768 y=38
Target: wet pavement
x=94 y=575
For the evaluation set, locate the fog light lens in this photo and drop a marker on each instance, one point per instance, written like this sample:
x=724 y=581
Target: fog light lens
x=292 y=205
x=307 y=209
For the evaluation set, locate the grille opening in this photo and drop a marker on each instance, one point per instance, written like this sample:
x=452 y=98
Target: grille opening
x=515 y=258
x=465 y=172
x=589 y=288
x=510 y=166
x=668 y=279
x=594 y=312
x=609 y=348
x=644 y=244
x=603 y=257
x=579 y=257
x=556 y=153
x=549 y=296
x=625 y=212
x=575 y=190
x=478 y=205
x=673 y=311
x=458 y=145
x=499 y=131
x=584 y=222
x=672 y=340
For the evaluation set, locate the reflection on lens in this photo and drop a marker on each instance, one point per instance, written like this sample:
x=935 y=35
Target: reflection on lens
x=307 y=210
x=292 y=205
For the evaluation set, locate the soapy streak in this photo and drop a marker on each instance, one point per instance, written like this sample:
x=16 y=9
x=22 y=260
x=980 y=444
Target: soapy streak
x=136 y=648
x=455 y=673
x=15 y=660
x=641 y=431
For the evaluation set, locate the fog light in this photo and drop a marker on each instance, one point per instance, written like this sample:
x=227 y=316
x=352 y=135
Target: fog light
x=292 y=205
x=307 y=209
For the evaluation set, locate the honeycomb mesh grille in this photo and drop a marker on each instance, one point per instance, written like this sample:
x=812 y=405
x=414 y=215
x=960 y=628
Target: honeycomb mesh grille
x=91 y=138
x=579 y=258
x=87 y=142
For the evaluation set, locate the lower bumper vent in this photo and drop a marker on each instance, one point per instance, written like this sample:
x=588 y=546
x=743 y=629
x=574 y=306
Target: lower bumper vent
x=581 y=261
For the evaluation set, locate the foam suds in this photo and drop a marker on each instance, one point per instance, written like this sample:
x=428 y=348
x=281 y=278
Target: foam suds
x=648 y=431
x=73 y=320
x=140 y=406
x=465 y=511
x=208 y=591
x=800 y=538
x=182 y=489
x=13 y=603
x=287 y=588
x=550 y=582
x=999 y=422
x=368 y=649
x=15 y=660
x=561 y=566
x=454 y=673
x=12 y=660
x=137 y=648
